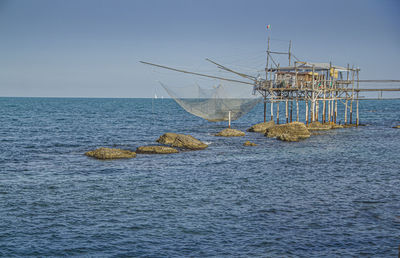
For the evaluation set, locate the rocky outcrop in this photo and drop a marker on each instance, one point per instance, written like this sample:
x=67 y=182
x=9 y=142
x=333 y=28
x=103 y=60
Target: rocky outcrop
x=248 y=143
x=294 y=131
x=349 y=125
x=333 y=125
x=317 y=126
x=397 y=127
x=228 y=132
x=108 y=153
x=288 y=137
x=156 y=150
x=181 y=141
x=261 y=127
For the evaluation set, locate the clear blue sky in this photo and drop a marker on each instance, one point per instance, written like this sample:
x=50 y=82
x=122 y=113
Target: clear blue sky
x=91 y=48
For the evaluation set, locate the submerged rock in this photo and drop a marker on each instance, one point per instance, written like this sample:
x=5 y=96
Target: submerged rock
x=181 y=141
x=108 y=153
x=317 y=126
x=248 y=143
x=156 y=150
x=261 y=127
x=289 y=132
x=228 y=132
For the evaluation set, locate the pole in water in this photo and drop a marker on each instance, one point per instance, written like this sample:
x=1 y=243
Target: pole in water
x=229 y=118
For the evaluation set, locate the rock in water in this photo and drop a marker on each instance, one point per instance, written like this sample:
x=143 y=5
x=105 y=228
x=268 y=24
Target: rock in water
x=108 y=153
x=181 y=141
x=228 y=132
x=289 y=132
x=156 y=150
x=397 y=127
x=317 y=126
x=349 y=125
x=248 y=143
x=261 y=127
x=288 y=138
x=333 y=125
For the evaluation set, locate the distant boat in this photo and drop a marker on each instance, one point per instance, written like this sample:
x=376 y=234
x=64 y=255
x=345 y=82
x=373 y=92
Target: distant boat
x=155 y=96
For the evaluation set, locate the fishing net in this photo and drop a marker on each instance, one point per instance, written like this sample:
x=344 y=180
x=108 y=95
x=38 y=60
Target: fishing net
x=215 y=103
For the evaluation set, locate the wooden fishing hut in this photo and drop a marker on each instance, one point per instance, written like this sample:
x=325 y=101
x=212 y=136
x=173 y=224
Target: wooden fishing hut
x=318 y=86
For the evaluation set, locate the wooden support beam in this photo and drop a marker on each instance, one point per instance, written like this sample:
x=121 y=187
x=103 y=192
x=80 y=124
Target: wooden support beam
x=291 y=110
x=306 y=111
x=277 y=112
x=287 y=110
x=272 y=109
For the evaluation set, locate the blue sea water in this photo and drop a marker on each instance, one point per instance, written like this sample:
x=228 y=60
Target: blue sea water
x=334 y=194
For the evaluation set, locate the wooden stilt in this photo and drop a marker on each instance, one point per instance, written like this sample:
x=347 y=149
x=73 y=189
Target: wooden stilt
x=297 y=110
x=229 y=115
x=312 y=110
x=272 y=110
x=291 y=110
x=335 y=110
x=306 y=112
x=345 y=112
x=358 y=117
x=265 y=107
x=277 y=112
x=351 y=111
x=287 y=110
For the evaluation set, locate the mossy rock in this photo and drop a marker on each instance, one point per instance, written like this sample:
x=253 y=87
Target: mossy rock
x=317 y=126
x=228 y=132
x=294 y=130
x=349 y=125
x=288 y=138
x=248 y=143
x=181 y=141
x=156 y=150
x=333 y=125
x=261 y=127
x=108 y=153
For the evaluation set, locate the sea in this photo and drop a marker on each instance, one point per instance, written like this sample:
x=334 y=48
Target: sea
x=335 y=194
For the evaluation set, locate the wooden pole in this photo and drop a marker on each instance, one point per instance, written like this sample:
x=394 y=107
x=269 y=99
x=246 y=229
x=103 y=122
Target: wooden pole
x=265 y=106
x=306 y=111
x=229 y=117
x=266 y=66
x=324 y=109
x=291 y=109
x=312 y=97
x=277 y=111
x=287 y=110
x=324 y=102
x=317 y=111
x=351 y=110
x=290 y=54
x=352 y=95
x=358 y=118
x=345 y=112
x=297 y=110
x=333 y=109
x=336 y=101
x=272 y=109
